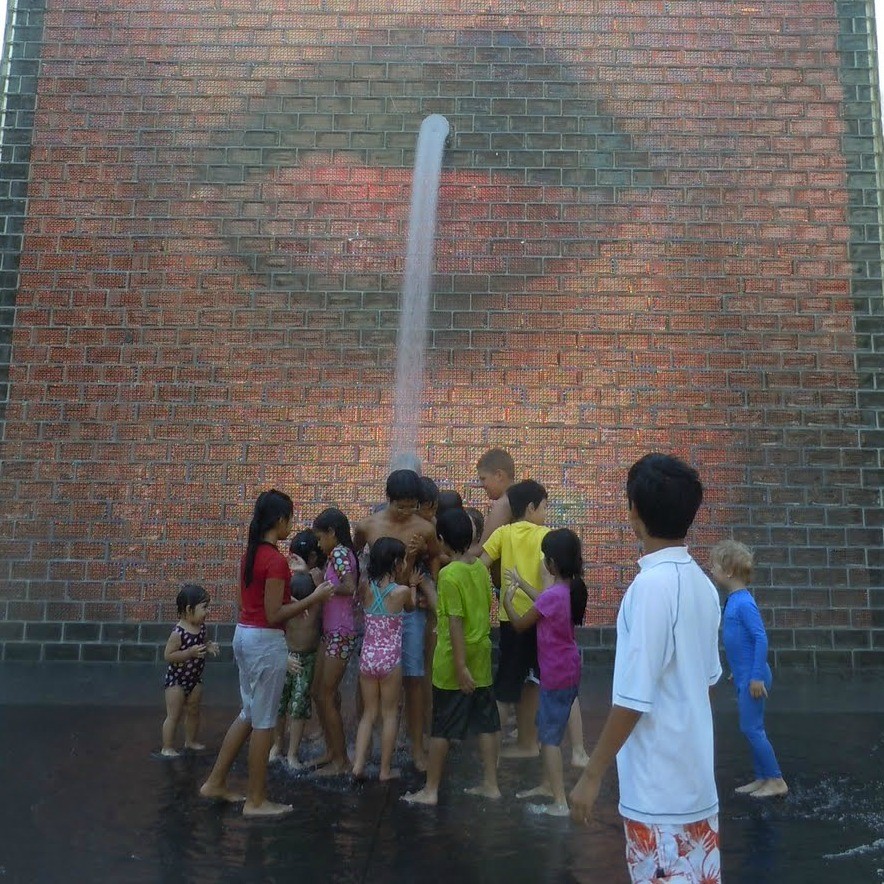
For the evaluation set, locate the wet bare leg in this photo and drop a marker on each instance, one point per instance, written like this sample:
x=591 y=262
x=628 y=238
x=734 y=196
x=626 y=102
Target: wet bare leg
x=579 y=758
x=552 y=766
x=526 y=712
x=215 y=787
x=192 y=719
x=369 y=688
x=174 y=705
x=414 y=719
x=296 y=732
x=489 y=749
x=390 y=689
x=338 y=762
x=257 y=804
x=773 y=787
x=438 y=750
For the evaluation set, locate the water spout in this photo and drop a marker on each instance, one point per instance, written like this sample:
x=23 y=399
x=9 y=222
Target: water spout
x=412 y=338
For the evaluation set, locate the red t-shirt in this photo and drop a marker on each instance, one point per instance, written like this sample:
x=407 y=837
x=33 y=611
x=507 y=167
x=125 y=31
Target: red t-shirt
x=270 y=563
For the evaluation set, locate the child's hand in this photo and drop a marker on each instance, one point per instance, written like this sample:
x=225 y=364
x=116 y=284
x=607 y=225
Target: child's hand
x=198 y=651
x=317 y=575
x=293 y=666
x=757 y=690
x=510 y=593
x=416 y=547
x=324 y=591
x=465 y=680
x=213 y=648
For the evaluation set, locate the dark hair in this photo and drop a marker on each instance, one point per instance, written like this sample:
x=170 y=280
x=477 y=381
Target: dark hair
x=429 y=491
x=449 y=500
x=666 y=494
x=477 y=519
x=562 y=547
x=301 y=585
x=270 y=507
x=190 y=595
x=497 y=459
x=523 y=493
x=403 y=485
x=455 y=528
x=332 y=519
x=305 y=544
x=384 y=554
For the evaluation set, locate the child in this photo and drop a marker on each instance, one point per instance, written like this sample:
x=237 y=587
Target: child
x=660 y=723
x=478 y=521
x=497 y=472
x=745 y=645
x=339 y=634
x=448 y=500
x=463 y=702
x=555 y=612
x=380 y=669
x=185 y=653
x=302 y=640
x=305 y=554
x=400 y=520
x=517 y=545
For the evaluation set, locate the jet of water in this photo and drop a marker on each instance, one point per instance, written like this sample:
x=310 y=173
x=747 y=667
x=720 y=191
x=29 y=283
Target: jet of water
x=411 y=343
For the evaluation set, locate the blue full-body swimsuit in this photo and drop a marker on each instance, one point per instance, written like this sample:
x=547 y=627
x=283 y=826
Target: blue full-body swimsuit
x=745 y=645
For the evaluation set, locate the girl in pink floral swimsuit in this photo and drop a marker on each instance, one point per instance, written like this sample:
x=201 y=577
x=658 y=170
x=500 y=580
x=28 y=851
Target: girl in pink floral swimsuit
x=380 y=670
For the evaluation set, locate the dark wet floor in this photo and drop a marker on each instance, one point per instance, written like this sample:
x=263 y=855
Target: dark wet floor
x=84 y=800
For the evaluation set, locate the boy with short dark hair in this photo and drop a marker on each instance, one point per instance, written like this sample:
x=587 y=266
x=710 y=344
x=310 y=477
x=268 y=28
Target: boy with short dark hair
x=400 y=519
x=660 y=723
x=517 y=545
x=463 y=701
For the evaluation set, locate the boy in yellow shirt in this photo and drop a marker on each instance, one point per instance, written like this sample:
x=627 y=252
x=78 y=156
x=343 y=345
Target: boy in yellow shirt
x=517 y=545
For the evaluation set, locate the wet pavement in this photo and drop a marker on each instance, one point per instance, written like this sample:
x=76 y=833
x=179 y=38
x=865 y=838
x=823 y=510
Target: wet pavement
x=84 y=798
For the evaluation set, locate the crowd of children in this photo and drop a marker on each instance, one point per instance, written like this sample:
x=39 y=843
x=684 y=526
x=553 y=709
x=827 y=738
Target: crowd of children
x=409 y=591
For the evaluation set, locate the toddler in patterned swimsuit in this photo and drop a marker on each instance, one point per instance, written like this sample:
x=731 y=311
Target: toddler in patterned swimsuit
x=185 y=653
x=380 y=666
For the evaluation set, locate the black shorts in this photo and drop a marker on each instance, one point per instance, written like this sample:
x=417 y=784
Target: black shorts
x=457 y=715
x=518 y=660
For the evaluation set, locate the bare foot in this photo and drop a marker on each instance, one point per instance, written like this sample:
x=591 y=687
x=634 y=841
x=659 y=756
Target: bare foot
x=169 y=753
x=420 y=763
x=195 y=747
x=749 y=788
x=267 y=809
x=275 y=754
x=517 y=751
x=541 y=791
x=333 y=769
x=392 y=774
x=321 y=761
x=772 y=788
x=579 y=758
x=483 y=791
x=223 y=794
x=550 y=809
x=294 y=764
x=422 y=797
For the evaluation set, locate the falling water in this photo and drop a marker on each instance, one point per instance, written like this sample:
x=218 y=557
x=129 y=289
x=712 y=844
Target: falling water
x=411 y=342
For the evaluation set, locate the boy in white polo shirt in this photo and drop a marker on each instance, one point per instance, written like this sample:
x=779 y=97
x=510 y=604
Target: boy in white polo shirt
x=660 y=724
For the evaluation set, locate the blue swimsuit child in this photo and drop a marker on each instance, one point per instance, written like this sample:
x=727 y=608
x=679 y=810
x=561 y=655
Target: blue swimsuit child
x=745 y=645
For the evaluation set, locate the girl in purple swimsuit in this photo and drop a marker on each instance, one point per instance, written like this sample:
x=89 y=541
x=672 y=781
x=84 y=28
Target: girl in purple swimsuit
x=380 y=669
x=185 y=653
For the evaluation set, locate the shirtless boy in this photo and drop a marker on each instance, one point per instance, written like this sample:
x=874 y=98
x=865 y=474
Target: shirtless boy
x=400 y=520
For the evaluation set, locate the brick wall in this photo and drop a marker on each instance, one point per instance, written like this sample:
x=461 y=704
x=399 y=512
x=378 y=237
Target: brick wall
x=659 y=229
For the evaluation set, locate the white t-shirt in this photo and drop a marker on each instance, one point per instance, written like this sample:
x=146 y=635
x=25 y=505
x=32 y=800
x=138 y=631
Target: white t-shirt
x=667 y=658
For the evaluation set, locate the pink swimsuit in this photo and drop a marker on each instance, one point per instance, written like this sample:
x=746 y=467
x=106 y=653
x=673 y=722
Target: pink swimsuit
x=382 y=645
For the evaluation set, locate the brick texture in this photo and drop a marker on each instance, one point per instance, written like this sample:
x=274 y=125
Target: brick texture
x=658 y=229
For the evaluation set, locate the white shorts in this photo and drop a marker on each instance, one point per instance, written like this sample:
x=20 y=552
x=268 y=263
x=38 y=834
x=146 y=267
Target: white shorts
x=261 y=656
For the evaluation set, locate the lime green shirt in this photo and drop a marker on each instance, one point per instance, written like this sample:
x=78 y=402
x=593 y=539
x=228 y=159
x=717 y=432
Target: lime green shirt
x=518 y=546
x=463 y=591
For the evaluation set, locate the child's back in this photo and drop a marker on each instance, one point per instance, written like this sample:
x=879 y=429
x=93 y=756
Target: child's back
x=464 y=590
x=666 y=661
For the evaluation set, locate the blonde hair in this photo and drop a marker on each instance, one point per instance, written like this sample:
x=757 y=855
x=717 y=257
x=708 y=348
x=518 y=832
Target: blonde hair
x=735 y=558
x=497 y=459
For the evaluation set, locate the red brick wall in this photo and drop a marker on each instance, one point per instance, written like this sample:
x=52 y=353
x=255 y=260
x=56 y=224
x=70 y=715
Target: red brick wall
x=644 y=243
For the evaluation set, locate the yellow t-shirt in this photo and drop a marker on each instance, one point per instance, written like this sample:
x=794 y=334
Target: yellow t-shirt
x=518 y=546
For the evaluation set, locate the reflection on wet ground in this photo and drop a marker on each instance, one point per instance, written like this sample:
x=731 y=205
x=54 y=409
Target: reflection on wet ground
x=84 y=800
